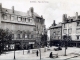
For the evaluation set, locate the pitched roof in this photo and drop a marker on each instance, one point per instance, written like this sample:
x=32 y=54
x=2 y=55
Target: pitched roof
x=25 y=14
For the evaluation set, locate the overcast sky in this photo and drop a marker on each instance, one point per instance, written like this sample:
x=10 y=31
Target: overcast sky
x=50 y=9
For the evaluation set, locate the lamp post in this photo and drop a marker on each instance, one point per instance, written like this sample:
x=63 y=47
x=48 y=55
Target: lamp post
x=39 y=43
x=23 y=49
x=14 y=51
x=40 y=51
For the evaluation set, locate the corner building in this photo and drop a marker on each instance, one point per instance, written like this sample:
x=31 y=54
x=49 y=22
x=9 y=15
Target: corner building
x=24 y=26
x=71 y=28
x=55 y=34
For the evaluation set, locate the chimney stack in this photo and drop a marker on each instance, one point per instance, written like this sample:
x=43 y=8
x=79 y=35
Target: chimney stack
x=12 y=9
x=64 y=17
x=54 y=23
x=31 y=11
x=0 y=6
x=76 y=15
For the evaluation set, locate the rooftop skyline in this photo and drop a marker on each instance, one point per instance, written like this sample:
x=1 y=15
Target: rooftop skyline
x=50 y=9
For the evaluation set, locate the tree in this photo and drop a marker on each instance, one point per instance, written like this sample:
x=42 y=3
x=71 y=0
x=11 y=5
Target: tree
x=5 y=38
x=65 y=37
x=44 y=39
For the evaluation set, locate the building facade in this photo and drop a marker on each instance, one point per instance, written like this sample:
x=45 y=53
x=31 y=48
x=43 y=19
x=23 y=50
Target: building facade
x=25 y=27
x=71 y=27
x=55 y=33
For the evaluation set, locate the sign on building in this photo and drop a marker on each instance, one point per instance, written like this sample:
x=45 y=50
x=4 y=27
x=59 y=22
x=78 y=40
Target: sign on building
x=31 y=42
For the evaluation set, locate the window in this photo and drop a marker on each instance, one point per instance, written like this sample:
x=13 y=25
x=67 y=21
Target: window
x=54 y=33
x=12 y=36
x=25 y=35
x=18 y=36
x=71 y=20
x=59 y=37
x=12 y=17
x=78 y=30
x=31 y=36
x=28 y=20
x=19 y=19
x=69 y=31
x=78 y=23
x=69 y=25
x=58 y=32
x=34 y=29
x=78 y=37
x=65 y=31
x=65 y=25
x=4 y=16
x=39 y=20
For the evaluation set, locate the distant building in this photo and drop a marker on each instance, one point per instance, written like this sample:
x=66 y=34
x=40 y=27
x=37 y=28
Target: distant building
x=71 y=28
x=26 y=27
x=55 y=33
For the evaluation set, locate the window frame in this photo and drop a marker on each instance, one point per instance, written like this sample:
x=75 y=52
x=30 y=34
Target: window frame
x=78 y=23
x=69 y=31
x=65 y=32
x=18 y=36
x=5 y=15
x=19 y=18
x=12 y=17
x=77 y=37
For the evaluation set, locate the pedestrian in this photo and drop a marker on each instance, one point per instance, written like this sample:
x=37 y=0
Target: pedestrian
x=28 y=51
x=37 y=53
x=51 y=56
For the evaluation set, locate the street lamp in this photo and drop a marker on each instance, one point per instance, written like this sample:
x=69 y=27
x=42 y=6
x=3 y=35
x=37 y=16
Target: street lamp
x=39 y=43
x=23 y=49
x=40 y=50
x=65 y=42
x=14 y=51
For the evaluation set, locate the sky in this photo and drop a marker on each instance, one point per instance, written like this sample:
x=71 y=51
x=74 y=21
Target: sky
x=50 y=9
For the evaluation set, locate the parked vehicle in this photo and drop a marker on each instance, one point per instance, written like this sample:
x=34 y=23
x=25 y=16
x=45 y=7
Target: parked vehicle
x=58 y=48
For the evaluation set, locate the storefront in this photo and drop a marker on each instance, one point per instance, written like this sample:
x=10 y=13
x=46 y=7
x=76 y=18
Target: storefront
x=24 y=44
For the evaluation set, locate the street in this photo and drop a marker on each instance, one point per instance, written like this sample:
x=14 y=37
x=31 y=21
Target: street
x=72 y=53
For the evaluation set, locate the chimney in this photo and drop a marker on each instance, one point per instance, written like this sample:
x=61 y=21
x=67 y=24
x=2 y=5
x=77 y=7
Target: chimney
x=54 y=23
x=12 y=9
x=0 y=6
x=31 y=11
x=64 y=17
x=76 y=15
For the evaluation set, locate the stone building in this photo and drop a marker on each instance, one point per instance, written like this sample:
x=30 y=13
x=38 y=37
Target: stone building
x=26 y=27
x=71 y=28
x=55 y=33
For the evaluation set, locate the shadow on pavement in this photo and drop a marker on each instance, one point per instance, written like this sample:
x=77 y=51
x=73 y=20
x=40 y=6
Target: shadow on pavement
x=73 y=56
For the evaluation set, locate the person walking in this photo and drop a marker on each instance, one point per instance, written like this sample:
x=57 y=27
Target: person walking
x=37 y=53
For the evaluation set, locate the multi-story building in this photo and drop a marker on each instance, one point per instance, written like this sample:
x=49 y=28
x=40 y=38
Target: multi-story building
x=24 y=26
x=55 y=33
x=71 y=28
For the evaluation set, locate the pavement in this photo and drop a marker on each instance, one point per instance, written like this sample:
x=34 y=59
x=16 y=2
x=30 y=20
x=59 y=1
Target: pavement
x=72 y=53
